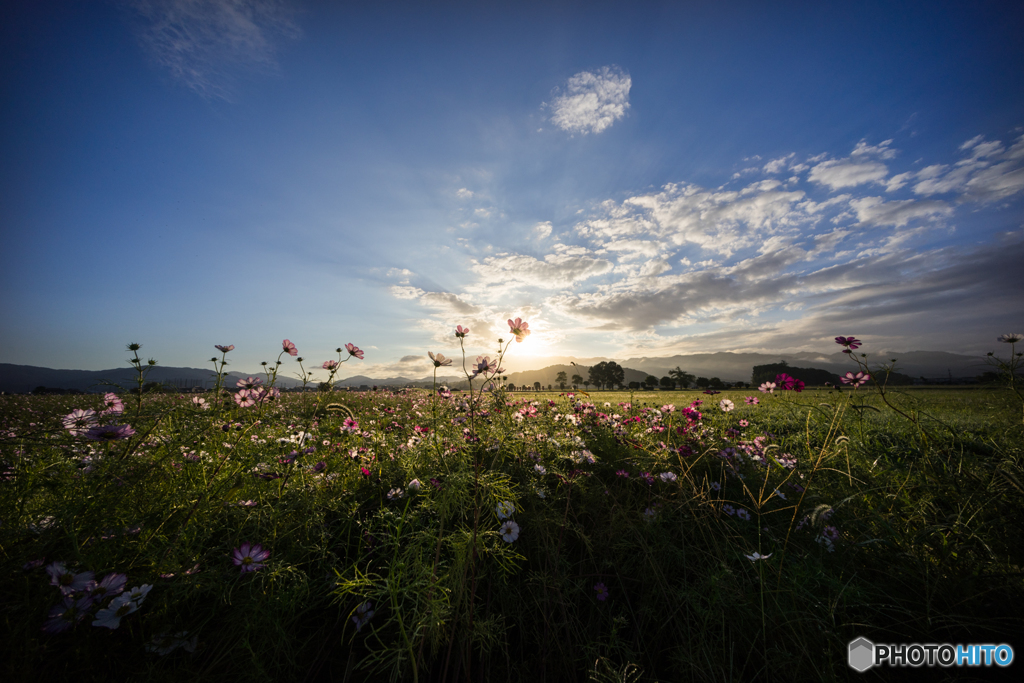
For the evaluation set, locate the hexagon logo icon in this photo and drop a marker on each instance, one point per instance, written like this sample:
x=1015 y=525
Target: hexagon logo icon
x=861 y=654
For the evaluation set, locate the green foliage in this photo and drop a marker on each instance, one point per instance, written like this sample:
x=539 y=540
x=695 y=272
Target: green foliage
x=892 y=517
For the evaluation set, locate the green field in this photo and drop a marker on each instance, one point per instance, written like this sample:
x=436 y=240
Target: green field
x=896 y=520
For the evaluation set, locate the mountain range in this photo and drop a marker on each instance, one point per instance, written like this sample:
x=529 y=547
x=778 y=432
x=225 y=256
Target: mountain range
x=729 y=367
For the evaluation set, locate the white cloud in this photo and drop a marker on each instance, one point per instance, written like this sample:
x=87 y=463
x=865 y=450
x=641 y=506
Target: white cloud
x=463 y=193
x=202 y=41
x=777 y=165
x=838 y=173
x=876 y=211
x=543 y=229
x=556 y=270
x=592 y=101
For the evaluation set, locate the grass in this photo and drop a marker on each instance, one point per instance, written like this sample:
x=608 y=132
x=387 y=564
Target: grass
x=898 y=529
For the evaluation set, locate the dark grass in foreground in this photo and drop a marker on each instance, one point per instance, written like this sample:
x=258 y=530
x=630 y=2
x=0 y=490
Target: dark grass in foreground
x=634 y=529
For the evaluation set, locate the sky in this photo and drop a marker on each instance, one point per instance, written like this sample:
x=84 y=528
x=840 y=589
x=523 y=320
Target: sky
x=630 y=178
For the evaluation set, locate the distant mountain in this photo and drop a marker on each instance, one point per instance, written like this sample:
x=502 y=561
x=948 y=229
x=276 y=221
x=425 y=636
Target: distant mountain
x=17 y=379
x=738 y=367
x=729 y=367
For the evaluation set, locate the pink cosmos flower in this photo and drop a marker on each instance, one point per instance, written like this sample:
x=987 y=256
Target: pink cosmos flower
x=289 y=348
x=112 y=404
x=250 y=557
x=439 y=360
x=330 y=364
x=856 y=380
x=751 y=400
x=69 y=582
x=224 y=349
x=249 y=382
x=767 y=387
x=519 y=329
x=245 y=398
x=354 y=350
x=110 y=432
x=726 y=405
x=79 y=421
x=461 y=331
x=112 y=584
x=67 y=614
x=758 y=556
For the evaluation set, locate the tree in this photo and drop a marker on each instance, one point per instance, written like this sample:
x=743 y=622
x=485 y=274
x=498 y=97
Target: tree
x=536 y=386
x=561 y=378
x=586 y=383
x=634 y=385
x=716 y=383
x=683 y=378
x=667 y=383
x=577 y=380
x=650 y=381
x=702 y=382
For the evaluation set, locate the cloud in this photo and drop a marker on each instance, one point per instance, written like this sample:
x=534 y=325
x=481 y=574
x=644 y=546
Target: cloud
x=847 y=173
x=463 y=193
x=989 y=172
x=592 y=101
x=876 y=211
x=556 y=270
x=204 y=42
x=777 y=165
x=543 y=229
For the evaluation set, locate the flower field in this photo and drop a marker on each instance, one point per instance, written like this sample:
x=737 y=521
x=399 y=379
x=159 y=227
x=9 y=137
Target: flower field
x=250 y=534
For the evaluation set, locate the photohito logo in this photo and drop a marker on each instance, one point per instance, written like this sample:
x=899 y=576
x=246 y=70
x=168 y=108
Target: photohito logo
x=863 y=654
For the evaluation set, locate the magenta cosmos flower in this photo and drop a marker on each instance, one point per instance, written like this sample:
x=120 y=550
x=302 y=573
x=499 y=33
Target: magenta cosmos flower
x=289 y=348
x=330 y=364
x=250 y=557
x=461 y=331
x=354 y=350
x=484 y=365
x=849 y=342
x=519 y=329
x=224 y=349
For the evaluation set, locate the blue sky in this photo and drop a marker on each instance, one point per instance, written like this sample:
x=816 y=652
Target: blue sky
x=633 y=179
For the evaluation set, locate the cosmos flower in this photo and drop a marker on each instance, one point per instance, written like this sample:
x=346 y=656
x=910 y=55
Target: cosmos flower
x=484 y=365
x=329 y=364
x=249 y=383
x=224 y=349
x=519 y=328
x=509 y=531
x=354 y=350
x=461 y=331
x=439 y=360
x=850 y=343
x=250 y=557
x=767 y=388
x=79 y=421
x=110 y=432
x=726 y=405
x=289 y=348
x=1012 y=338
x=505 y=509
x=758 y=556
x=602 y=591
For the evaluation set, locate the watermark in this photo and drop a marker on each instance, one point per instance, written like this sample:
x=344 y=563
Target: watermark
x=863 y=654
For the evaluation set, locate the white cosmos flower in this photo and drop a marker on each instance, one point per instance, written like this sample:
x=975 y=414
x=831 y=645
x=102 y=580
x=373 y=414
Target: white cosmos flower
x=509 y=531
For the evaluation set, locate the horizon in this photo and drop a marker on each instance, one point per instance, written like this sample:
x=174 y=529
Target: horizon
x=632 y=182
